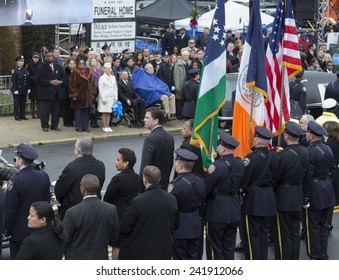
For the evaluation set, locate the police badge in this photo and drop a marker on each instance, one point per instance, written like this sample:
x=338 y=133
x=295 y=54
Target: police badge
x=211 y=169
x=10 y=185
x=170 y=187
x=247 y=161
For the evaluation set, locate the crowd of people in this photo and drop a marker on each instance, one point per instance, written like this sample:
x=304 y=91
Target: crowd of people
x=283 y=196
x=83 y=87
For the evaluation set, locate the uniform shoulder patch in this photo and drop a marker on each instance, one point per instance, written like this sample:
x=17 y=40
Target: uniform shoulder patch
x=170 y=187
x=247 y=161
x=211 y=169
x=10 y=185
x=304 y=89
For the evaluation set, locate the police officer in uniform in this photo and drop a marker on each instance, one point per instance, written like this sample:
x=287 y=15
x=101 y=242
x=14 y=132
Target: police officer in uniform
x=189 y=94
x=223 y=201
x=107 y=52
x=124 y=59
x=298 y=94
x=259 y=205
x=165 y=72
x=291 y=193
x=74 y=54
x=20 y=88
x=332 y=91
x=27 y=186
x=189 y=190
x=322 y=197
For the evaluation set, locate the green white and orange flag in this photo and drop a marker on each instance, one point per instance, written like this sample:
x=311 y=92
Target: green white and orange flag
x=212 y=88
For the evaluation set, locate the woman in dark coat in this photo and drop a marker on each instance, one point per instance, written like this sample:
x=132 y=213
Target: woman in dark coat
x=33 y=95
x=333 y=141
x=123 y=187
x=81 y=92
x=48 y=240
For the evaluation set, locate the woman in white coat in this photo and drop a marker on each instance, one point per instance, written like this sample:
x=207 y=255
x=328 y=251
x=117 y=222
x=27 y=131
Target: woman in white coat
x=108 y=95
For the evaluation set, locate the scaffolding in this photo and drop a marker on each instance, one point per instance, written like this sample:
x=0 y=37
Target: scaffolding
x=323 y=18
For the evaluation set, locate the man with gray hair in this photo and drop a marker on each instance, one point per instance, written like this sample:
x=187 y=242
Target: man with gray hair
x=305 y=119
x=67 y=186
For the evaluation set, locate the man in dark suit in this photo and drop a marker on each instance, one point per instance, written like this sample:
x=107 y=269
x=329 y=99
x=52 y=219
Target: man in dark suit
x=50 y=77
x=27 y=186
x=129 y=98
x=91 y=225
x=67 y=187
x=158 y=146
x=147 y=227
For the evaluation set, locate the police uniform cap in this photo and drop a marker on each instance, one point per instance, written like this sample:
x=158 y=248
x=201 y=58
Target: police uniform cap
x=229 y=31
x=185 y=155
x=165 y=54
x=316 y=128
x=300 y=74
x=293 y=129
x=125 y=51
x=74 y=49
x=104 y=47
x=228 y=141
x=36 y=55
x=194 y=71
x=19 y=57
x=263 y=133
x=329 y=103
x=88 y=50
x=26 y=151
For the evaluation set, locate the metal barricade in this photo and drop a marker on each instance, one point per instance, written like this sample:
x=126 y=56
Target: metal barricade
x=147 y=42
x=6 y=98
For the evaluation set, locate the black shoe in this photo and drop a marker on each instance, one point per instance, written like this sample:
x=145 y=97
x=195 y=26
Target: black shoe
x=239 y=247
x=93 y=125
x=17 y=118
x=45 y=129
x=55 y=128
x=24 y=118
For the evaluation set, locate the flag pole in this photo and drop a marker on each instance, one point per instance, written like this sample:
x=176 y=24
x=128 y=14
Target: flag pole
x=251 y=117
x=282 y=95
x=211 y=137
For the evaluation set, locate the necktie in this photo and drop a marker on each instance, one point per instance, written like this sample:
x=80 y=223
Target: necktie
x=51 y=65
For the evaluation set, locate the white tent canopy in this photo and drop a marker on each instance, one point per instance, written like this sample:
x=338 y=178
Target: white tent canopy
x=237 y=16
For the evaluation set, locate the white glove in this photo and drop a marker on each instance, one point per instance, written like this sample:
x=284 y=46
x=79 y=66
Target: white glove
x=16 y=92
x=173 y=88
x=28 y=91
x=305 y=206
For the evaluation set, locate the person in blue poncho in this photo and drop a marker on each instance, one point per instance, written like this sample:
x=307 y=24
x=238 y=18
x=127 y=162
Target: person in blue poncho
x=151 y=88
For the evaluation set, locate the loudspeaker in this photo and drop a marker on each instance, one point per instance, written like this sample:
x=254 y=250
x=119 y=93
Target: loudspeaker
x=305 y=9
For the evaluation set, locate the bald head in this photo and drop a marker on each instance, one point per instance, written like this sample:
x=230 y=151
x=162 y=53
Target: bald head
x=90 y=184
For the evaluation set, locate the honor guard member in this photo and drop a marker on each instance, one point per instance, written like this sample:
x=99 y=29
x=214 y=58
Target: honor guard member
x=329 y=106
x=124 y=59
x=223 y=200
x=27 y=186
x=20 y=88
x=291 y=193
x=322 y=198
x=189 y=190
x=298 y=92
x=258 y=205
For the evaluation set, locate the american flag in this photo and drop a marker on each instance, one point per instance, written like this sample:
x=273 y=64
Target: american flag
x=282 y=62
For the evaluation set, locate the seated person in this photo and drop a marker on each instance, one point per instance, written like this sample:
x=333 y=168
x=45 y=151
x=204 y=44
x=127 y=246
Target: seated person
x=129 y=98
x=151 y=88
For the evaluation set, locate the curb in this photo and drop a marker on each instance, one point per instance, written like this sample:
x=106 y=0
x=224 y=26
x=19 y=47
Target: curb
x=94 y=137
